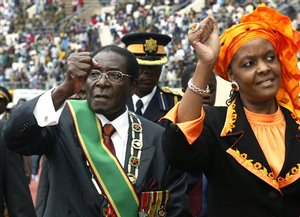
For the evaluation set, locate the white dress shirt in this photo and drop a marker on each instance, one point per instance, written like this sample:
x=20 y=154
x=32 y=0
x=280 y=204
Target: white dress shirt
x=145 y=99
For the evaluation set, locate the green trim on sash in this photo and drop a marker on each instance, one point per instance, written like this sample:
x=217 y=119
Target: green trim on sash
x=106 y=168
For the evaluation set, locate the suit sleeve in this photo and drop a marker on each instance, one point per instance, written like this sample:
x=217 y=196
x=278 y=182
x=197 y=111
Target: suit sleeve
x=191 y=129
x=176 y=182
x=23 y=135
x=182 y=155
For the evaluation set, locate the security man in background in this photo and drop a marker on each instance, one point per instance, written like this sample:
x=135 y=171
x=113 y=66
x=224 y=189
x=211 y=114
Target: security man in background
x=149 y=99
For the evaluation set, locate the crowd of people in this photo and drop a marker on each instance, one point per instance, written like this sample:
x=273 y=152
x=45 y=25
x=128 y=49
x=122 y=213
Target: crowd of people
x=109 y=118
x=33 y=49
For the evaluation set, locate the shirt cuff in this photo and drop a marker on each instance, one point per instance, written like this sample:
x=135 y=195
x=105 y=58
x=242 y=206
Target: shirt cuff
x=191 y=129
x=44 y=111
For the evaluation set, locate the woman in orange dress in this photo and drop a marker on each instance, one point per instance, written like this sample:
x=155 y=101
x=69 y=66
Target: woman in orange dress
x=250 y=149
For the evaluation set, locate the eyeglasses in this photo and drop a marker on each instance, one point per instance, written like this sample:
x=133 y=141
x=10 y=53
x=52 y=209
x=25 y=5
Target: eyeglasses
x=113 y=75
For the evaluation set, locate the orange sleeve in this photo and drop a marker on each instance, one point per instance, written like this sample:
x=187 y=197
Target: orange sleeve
x=191 y=129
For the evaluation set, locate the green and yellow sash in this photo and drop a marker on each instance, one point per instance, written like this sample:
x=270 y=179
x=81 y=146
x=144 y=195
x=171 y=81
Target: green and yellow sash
x=105 y=166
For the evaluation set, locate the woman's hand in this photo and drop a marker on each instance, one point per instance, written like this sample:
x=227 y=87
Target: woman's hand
x=204 y=38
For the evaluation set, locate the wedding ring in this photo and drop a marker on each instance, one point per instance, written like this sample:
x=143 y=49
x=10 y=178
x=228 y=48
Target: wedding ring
x=194 y=27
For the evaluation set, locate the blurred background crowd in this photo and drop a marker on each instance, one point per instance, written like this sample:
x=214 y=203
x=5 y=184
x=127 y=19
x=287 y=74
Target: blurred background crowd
x=36 y=36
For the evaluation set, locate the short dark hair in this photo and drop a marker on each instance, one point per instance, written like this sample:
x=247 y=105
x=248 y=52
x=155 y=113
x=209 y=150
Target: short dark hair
x=186 y=75
x=132 y=64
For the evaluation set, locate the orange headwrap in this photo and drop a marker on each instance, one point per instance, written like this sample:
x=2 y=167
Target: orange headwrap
x=269 y=24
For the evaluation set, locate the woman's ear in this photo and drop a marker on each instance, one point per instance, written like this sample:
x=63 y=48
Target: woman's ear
x=229 y=74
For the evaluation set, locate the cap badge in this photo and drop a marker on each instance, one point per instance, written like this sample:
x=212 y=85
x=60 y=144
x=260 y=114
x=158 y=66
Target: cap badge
x=150 y=46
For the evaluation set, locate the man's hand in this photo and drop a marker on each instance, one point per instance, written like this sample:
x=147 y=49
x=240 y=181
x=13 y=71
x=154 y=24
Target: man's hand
x=79 y=66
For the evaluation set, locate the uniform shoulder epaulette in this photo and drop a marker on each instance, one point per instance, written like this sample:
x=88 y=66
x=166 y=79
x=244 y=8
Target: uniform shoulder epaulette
x=172 y=91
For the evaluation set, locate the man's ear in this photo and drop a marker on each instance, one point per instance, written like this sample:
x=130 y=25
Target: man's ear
x=133 y=86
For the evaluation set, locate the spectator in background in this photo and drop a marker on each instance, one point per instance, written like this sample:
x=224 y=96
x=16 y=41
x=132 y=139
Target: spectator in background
x=49 y=29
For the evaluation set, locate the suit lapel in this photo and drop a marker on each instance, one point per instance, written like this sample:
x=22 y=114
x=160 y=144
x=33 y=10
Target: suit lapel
x=153 y=111
x=245 y=149
x=146 y=158
x=77 y=161
x=130 y=104
x=290 y=171
x=244 y=139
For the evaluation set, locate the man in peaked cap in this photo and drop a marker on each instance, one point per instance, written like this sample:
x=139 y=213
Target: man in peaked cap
x=150 y=100
x=5 y=98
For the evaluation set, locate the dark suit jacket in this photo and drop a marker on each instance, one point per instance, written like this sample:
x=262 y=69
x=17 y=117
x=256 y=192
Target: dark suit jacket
x=72 y=192
x=43 y=189
x=162 y=101
x=240 y=181
x=14 y=188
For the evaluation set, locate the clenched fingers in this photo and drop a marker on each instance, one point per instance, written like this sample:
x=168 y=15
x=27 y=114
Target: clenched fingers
x=79 y=64
x=200 y=32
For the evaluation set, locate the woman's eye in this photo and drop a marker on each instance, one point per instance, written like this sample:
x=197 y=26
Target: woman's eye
x=247 y=64
x=270 y=58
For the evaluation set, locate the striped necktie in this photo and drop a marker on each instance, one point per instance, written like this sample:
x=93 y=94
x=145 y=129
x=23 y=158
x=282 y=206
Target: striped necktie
x=108 y=131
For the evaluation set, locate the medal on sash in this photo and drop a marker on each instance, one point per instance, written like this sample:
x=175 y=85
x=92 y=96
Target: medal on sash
x=153 y=204
x=108 y=211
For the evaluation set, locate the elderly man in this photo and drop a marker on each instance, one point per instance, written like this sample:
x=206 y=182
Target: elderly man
x=103 y=160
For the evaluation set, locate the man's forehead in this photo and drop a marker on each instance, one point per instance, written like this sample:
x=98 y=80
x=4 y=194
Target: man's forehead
x=106 y=58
